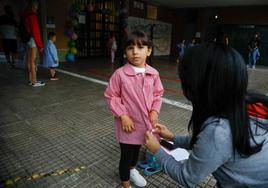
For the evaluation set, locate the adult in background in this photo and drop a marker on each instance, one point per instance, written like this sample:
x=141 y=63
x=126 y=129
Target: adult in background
x=8 y=32
x=35 y=43
x=181 y=46
x=191 y=44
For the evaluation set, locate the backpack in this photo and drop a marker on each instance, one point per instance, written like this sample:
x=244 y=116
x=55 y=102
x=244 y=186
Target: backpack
x=24 y=35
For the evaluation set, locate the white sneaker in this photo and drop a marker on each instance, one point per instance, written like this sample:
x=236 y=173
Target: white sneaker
x=38 y=84
x=136 y=178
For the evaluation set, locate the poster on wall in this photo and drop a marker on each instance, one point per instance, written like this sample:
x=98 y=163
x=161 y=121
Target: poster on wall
x=51 y=22
x=159 y=31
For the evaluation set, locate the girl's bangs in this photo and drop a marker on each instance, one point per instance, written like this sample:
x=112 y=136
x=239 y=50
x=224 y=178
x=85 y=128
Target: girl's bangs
x=137 y=40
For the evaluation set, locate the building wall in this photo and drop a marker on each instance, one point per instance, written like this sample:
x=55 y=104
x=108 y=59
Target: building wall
x=244 y=15
x=203 y=20
x=164 y=13
x=185 y=22
x=158 y=28
x=59 y=10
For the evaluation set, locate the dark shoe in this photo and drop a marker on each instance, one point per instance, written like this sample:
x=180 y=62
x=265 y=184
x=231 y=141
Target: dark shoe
x=30 y=83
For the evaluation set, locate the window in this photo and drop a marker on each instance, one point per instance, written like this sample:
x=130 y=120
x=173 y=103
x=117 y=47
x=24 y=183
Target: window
x=152 y=12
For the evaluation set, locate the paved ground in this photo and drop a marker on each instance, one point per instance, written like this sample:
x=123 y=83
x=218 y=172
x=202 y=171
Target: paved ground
x=61 y=135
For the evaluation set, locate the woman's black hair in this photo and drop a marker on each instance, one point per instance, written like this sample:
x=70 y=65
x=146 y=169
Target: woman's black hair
x=138 y=38
x=214 y=78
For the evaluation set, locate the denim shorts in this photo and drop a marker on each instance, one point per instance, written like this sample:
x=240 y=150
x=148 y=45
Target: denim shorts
x=31 y=43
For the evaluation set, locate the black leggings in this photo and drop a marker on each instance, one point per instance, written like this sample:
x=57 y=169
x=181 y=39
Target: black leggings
x=129 y=158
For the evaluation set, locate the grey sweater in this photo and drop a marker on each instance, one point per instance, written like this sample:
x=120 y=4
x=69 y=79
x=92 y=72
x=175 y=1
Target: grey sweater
x=213 y=154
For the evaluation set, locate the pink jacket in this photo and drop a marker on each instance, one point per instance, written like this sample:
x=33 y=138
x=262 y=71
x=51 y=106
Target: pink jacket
x=135 y=95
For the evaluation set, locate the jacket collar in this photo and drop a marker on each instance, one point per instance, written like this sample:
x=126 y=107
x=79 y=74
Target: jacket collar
x=128 y=69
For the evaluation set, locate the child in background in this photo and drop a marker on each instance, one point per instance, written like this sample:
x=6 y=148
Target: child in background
x=51 y=60
x=112 y=47
x=181 y=48
x=254 y=55
x=134 y=97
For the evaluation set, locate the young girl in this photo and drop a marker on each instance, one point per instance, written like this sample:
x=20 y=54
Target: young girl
x=51 y=60
x=134 y=97
x=229 y=126
x=112 y=47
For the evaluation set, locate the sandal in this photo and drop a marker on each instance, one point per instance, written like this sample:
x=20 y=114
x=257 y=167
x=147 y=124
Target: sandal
x=148 y=162
x=144 y=164
x=151 y=170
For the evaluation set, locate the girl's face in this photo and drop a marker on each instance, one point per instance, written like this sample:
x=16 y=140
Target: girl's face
x=136 y=55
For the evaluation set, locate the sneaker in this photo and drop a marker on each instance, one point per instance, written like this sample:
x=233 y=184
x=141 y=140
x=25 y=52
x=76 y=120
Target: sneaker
x=30 y=83
x=136 y=178
x=253 y=67
x=54 y=78
x=38 y=84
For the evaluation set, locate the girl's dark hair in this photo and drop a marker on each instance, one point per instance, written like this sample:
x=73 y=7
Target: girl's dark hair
x=51 y=34
x=138 y=38
x=214 y=78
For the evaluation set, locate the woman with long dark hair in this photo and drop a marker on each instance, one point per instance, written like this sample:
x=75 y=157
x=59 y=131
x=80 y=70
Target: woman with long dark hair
x=228 y=127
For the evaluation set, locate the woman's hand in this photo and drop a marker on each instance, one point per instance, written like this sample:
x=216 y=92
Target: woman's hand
x=127 y=124
x=164 y=132
x=154 y=117
x=151 y=142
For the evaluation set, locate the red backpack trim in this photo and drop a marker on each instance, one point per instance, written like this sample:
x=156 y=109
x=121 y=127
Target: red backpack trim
x=258 y=110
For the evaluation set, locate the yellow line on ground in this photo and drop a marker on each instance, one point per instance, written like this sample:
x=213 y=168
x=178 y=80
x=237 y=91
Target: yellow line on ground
x=39 y=175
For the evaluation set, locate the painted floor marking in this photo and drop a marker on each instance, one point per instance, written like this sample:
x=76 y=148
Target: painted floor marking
x=38 y=175
x=83 y=77
x=165 y=100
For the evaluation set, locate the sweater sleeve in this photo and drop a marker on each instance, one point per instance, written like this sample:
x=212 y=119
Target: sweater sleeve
x=35 y=31
x=158 y=92
x=113 y=96
x=182 y=141
x=212 y=149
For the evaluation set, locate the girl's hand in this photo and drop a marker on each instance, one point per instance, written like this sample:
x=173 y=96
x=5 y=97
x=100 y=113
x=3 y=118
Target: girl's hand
x=164 y=132
x=151 y=142
x=154 y=117
x=127 y=124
